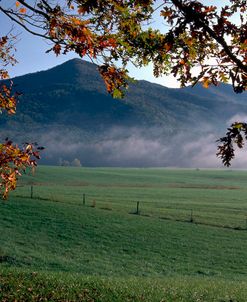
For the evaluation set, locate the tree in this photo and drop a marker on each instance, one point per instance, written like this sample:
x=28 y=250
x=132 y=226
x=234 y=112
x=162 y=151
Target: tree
x=201 y=43
x=76 y=162
x=13 y=160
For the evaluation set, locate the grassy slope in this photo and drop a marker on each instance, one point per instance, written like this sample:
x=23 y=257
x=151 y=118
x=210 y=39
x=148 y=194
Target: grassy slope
x=54 y=232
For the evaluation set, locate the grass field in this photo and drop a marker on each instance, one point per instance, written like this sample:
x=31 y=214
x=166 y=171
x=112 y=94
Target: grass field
x=54 y=246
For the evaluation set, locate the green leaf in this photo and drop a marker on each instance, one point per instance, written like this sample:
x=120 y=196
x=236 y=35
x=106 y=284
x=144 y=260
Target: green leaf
x=117 y=94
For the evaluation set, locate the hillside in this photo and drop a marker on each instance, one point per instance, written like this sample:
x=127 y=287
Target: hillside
x=68 y=110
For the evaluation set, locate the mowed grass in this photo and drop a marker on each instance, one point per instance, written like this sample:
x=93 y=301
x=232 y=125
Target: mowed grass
x=104 y=252
x=212 y=197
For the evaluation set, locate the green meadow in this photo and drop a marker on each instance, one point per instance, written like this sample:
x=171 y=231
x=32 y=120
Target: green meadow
x=75 y=234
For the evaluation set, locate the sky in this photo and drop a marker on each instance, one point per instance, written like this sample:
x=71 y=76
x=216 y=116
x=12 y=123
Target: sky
x=31 y=54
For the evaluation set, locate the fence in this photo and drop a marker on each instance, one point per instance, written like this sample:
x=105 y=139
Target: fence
x=230 y=219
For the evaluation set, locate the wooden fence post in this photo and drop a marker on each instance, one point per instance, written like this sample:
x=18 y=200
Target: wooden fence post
x=137 y=207
x=84 y=199
x=191 y=216
x=31 y=191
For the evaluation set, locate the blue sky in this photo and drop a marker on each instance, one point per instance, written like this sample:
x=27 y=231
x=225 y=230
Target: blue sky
x=32 y=57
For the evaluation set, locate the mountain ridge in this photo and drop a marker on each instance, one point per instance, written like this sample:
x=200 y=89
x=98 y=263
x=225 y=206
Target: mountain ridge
x=72 y=96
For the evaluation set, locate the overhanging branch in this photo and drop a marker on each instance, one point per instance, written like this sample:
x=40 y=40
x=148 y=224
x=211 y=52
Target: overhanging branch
x=189 y=13
x=23 y=26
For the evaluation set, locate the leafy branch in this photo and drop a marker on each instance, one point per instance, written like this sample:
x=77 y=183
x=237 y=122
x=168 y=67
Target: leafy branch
x=235 y=135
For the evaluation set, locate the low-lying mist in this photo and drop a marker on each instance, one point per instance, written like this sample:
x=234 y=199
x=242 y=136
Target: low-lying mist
x=135 y=147
x=195 y=147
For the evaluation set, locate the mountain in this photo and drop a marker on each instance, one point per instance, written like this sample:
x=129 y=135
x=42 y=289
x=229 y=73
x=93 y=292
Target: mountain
x=68 y=110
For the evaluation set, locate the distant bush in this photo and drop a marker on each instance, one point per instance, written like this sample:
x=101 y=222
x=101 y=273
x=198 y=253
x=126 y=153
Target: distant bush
x=65 y=163
x=76 y=163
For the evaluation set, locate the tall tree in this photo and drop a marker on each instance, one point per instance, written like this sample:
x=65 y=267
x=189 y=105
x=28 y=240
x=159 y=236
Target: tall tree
x=200 y=43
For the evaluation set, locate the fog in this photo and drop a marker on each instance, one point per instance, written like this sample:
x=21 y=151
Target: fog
x=195 y=147
x=133 y=147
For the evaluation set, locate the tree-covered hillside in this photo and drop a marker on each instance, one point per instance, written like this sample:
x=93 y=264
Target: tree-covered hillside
x=68 y=105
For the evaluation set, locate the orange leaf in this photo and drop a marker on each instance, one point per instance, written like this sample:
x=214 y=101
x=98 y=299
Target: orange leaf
x=17 y=4
x=168 y=46
x=77 y=21
x=210 y=9
x=166 y=13
x=81 y=10
x=23 y=10
x=206 y=82
x=57 y=49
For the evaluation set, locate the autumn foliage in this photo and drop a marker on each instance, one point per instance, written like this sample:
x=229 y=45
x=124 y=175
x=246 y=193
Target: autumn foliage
x=13 y=159
x=199 y=43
